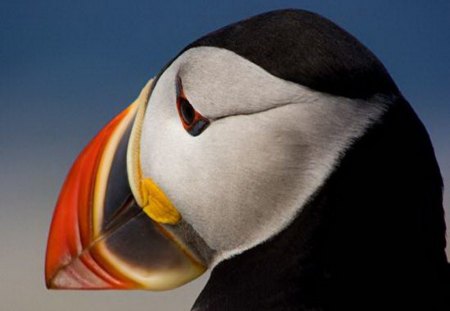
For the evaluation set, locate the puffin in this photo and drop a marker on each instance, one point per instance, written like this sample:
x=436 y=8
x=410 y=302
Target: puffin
x=276 y=152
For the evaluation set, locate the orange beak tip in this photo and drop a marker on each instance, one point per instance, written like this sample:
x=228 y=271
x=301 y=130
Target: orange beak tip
x=100 y=237
x=68 y=263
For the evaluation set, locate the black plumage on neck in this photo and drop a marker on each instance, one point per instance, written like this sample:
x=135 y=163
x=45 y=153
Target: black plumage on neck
x=372 y=237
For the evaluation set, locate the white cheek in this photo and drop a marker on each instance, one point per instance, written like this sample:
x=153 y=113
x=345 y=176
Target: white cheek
x=246 y=177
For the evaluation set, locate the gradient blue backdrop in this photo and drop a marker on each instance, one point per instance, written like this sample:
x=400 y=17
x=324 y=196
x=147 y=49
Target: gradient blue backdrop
x=67 y=67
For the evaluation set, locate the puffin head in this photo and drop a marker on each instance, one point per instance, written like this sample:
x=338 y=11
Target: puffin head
x=218 y=154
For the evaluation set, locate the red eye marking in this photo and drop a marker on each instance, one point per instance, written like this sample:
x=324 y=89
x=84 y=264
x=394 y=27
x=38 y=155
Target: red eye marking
x=193 y=122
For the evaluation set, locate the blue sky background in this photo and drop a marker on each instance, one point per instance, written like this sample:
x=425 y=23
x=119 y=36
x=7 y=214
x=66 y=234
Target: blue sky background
x=67 y=67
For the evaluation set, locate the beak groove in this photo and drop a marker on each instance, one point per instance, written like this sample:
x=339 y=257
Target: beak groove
x=104 y=233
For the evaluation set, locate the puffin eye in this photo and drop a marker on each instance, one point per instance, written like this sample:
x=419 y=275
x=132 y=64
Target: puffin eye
x=193 y=122
x=187 y=112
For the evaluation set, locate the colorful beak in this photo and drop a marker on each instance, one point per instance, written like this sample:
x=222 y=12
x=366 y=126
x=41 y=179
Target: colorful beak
x=111 y=227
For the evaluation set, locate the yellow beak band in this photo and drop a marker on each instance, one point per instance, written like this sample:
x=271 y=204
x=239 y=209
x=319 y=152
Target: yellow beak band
x=156 y=204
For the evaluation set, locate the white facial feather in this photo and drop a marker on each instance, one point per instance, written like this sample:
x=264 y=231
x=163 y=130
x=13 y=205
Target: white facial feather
x=270 y=145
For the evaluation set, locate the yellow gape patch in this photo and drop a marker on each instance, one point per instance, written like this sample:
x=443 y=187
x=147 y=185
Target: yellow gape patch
x=157 y=205
x=145 y=191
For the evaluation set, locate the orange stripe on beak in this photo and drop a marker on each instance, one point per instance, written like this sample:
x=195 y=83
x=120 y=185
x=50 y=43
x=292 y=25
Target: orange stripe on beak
x=71 y=230
x=104 y=237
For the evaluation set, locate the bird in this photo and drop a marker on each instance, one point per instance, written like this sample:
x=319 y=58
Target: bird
x=276 y=152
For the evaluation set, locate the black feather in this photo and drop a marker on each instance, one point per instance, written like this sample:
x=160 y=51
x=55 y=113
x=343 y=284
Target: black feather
x=307 y=49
